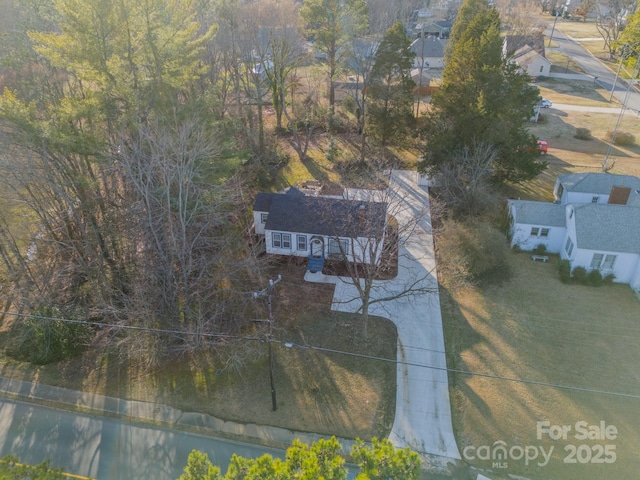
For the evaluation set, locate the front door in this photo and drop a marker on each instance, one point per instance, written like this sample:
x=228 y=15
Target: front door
x=317 y=247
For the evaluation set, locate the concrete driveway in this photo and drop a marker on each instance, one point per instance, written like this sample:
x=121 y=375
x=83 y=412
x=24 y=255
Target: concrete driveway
x=423 y=410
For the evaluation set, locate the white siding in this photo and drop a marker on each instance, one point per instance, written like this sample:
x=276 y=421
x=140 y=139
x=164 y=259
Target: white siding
x=521 y=236
x=625 y=267
x=358 y=248
x=579 y=197
x=257 y=222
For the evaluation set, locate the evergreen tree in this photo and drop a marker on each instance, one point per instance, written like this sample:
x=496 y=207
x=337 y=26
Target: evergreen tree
x=483 y=98
x=390 y=93
x=331 y=24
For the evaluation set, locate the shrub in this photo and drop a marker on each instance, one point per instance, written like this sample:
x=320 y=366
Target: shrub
x=333 y=150
x=564 y=271
x=42 y=341
x=594 y=278
x=583 y=134
x=540 y=249
x=608 y=279
x=473 y=252
x=624 y=139
x=579 y=275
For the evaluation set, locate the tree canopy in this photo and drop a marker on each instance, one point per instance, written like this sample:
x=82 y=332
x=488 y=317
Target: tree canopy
x=390 y=90
x=483 y=97
x=331 y=24
x=319 y=461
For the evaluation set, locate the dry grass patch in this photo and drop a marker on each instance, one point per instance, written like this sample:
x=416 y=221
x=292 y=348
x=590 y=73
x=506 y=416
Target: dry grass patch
x=536 y=328
x=327 y=393
x=578 y=30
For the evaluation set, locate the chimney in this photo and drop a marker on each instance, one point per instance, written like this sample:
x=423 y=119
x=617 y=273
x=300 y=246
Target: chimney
x=619 y=195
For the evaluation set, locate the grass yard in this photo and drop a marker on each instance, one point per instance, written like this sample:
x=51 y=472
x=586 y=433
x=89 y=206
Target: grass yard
x=327 y=393
x=534 y=327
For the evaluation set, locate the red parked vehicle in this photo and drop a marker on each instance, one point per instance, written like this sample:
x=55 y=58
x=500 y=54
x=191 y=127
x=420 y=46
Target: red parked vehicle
x=542 y=147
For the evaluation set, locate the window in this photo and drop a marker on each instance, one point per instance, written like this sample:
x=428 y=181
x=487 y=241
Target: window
x=263 y=217
x=286 y=240
x=302 y=242
x=535 y=231
x=600 y=261
x=337 y=247
x=609 y=261
x=281 y=240
x=595 y=199
x=541 y=68
x=276 y=240
x=568 y=248
x=596 y=261
x=544 y=232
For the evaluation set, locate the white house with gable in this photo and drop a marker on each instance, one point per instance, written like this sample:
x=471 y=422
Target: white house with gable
x=320 y=227
x=594 y=223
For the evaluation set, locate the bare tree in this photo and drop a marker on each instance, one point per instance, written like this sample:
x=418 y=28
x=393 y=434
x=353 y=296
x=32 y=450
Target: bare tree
x=518 y=17
x=387 y=228
x=183 y=223
x=464 y=183
x=610 y=21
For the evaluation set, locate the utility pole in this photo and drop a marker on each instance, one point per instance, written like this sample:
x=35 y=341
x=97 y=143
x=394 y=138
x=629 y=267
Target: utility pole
x=267 y=292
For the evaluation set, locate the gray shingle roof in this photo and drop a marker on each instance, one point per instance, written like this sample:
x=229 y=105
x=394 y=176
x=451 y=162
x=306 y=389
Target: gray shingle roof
x=609 y=228
x=599 y=183
x=321 y=215
x=428 y=47
x=539 y=213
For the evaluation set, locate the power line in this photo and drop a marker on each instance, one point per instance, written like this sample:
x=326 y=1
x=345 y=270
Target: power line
x=341 y=352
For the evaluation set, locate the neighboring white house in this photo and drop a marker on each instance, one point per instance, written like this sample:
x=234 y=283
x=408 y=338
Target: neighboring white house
x=429 y=52
x=320 y=227
x=594 y=223
x=531 y=62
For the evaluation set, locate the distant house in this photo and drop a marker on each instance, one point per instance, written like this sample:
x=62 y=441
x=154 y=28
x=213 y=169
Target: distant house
x=439 y=29
x=594 y=223
x=429 y=52
x=531 y=62
x=320 y=227
x=513 y=43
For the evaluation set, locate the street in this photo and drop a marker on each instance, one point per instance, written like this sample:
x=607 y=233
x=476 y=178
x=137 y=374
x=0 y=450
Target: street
x=594 y=67
x=106 y=448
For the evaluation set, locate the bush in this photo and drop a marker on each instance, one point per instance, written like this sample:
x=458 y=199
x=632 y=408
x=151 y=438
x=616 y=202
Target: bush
x=624 y=139
x=594 y=278
x=608 y=279
x=583 y=134
x=333 y=150
x=540 y=249
x=41 y=341
x=564 y=271
x=579 y=275
x=472 y=252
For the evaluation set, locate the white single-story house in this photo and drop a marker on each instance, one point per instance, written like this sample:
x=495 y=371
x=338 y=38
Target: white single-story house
x=531 y=62
x=320 y=227
x=594 y=223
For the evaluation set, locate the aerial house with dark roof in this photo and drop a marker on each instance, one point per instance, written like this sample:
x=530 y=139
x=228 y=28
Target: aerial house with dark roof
x=320 y=227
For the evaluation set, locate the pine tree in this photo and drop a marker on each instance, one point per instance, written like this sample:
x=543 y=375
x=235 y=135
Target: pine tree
x=390 y=93
x=483 y=98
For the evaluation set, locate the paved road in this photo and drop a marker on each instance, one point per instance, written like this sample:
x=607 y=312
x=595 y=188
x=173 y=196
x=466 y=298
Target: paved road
x=106 y=448
x=594 y=67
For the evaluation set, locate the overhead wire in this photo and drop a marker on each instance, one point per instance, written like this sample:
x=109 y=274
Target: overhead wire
x=341 y=352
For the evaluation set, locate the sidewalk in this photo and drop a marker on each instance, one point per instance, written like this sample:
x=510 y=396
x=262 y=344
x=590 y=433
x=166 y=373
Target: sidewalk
x=423 y=410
